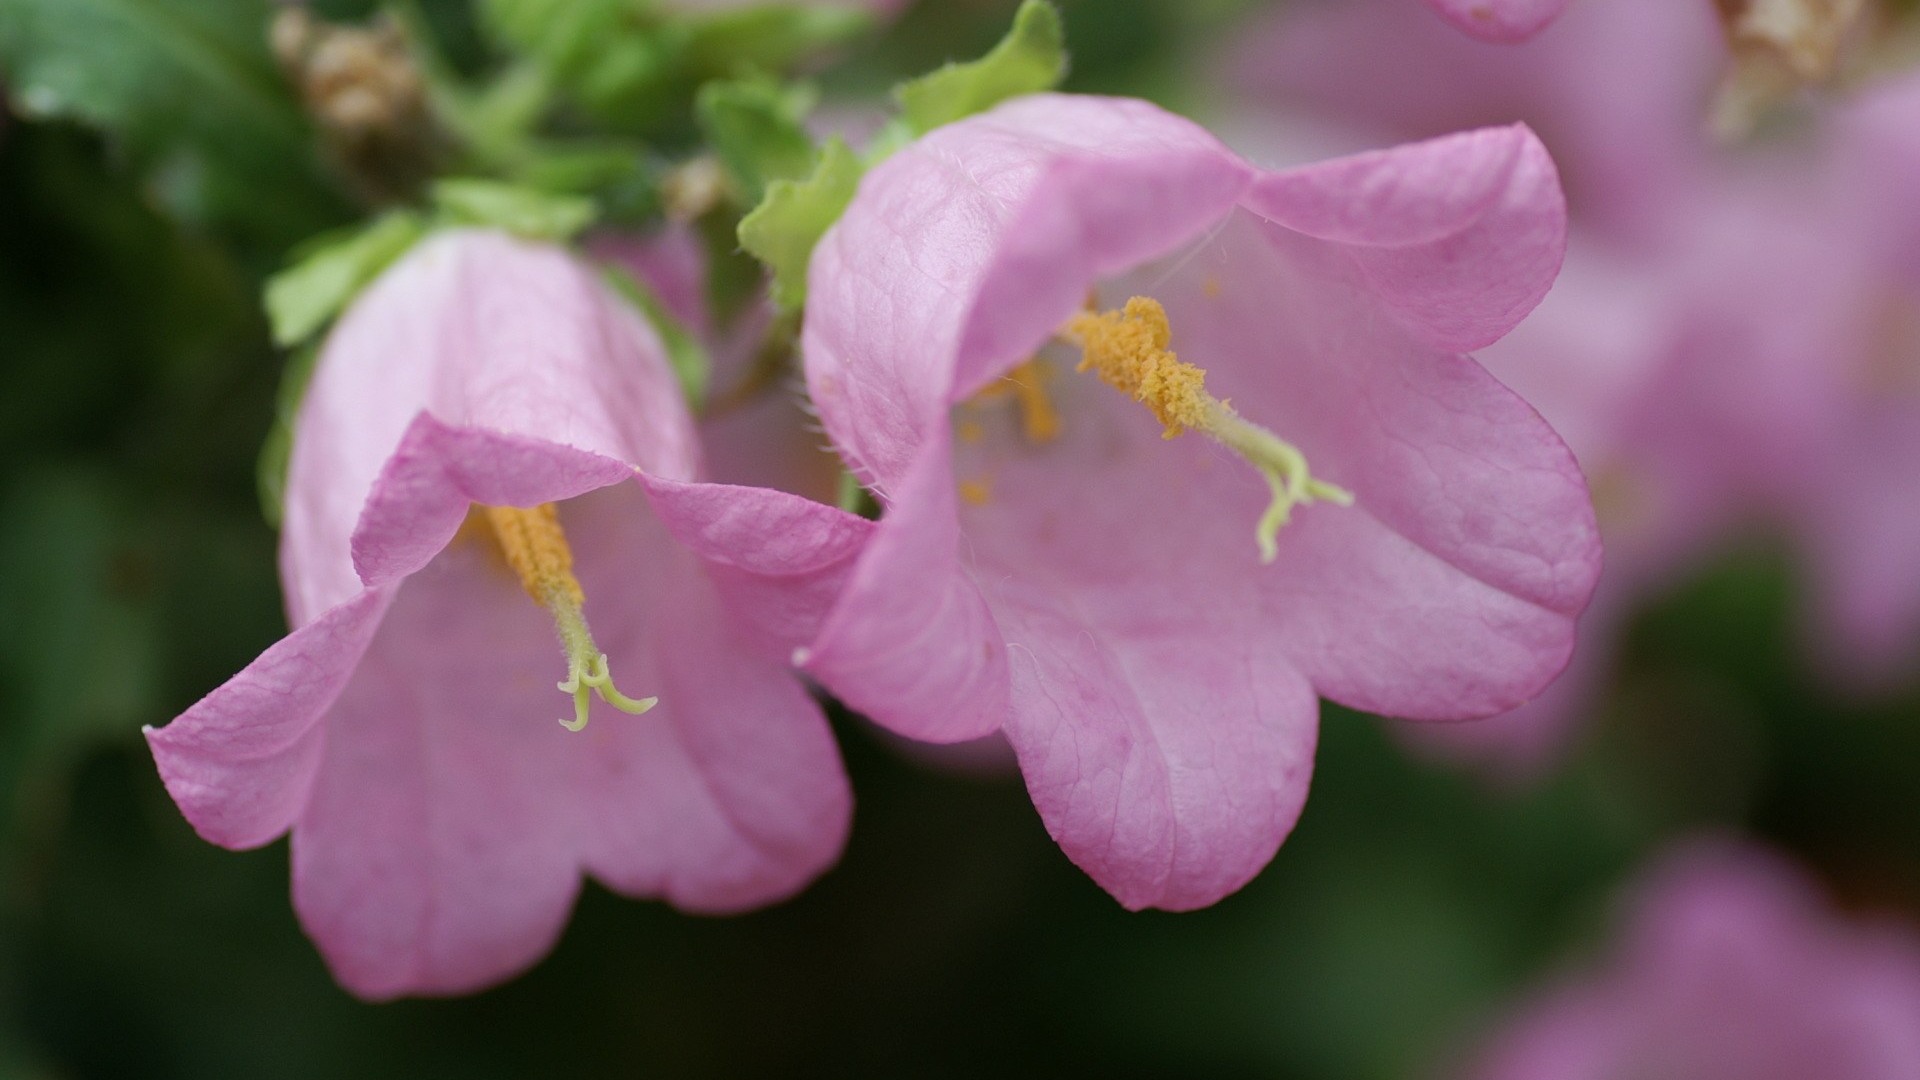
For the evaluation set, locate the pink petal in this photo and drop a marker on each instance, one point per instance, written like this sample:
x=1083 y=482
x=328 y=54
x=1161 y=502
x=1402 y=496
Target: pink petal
x=483 y=332
x=1461 y=236
x=438 y=473
x=240 y=762
x=1449 y=589
x=433 y=856
x=1168 y=765
x=445 y=838
x=729 y=794
x=1500 y=20
x=966 y=249
x=778 y=559
x=911 y=643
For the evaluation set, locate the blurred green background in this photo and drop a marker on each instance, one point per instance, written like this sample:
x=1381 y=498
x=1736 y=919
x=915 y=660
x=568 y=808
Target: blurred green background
x=137 y=572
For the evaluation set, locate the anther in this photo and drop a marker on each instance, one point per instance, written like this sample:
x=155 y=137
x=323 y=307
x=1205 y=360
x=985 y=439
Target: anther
x=537 y=551
x=1130 y=350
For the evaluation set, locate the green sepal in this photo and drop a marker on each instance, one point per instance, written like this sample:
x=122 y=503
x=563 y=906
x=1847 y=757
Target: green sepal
x=1030 y=59
x=685 y=354
x=755 y=126
x=270 y=469
x=331 y=270
x=782 y=231
x=523 y=211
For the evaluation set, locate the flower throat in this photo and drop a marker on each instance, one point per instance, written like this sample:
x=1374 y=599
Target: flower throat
x=1129 y=350
x=536 y=549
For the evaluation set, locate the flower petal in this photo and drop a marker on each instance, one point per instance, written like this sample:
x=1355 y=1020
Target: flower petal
x=1461 y=235
x=1506 y=21
x=911 y=643
x=964 y=251
x=1168 y=764
x=434 y=855
x=438 y=473
x=1449 y=589
x=483 y=332
x=240 y=762
x=780 y=560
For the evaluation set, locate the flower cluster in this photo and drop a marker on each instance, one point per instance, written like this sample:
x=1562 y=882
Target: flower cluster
x=1057 y=423
x=496 y=487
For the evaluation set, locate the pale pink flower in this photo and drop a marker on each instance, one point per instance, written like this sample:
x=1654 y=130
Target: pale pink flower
x=1729 y=966
x=1388 y=70
x=1050 y=565
x=404 y=731
x=1719 y=308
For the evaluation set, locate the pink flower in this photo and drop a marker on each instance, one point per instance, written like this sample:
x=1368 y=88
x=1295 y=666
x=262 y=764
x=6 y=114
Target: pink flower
x=1122 y=603
x=1730 y=967
x=1500 y=20
x=1720 y=305
x=404 y=731
x=1389 y=70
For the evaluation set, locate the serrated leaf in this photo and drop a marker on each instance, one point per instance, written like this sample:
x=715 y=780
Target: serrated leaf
x=187 y=90
x=782 y=231
x=307 y=295
x=1030 y=59
x=688 y=357
x=525 y=212
x=756 y=126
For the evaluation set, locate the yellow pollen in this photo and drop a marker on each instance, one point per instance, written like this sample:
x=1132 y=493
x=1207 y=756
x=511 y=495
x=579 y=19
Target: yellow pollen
x=536 y=549
x=1131 y=350
x=1039 y=420
x=977 y=492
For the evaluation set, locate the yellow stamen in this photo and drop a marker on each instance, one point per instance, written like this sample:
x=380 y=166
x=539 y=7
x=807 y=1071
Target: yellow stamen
x=1039 y=420
x=1129 y=350
x=536 y=549
x=977 y=492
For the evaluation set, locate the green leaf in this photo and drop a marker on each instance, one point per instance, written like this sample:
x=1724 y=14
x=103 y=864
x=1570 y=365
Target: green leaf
x=270 y=469
x=1031 y=58
x=307 y=295
x=632 y=64
x=187 y=90
x=685 y=353
x=755 y=125
x=782 y=231
x=535 y=215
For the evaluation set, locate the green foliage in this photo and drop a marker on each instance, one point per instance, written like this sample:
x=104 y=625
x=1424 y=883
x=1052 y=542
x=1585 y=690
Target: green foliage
x=1031 y=58
x=523 y=211
x=308 y=294
x=755 y=126
x=782 y=231
x=187 y=91
x=632 y=66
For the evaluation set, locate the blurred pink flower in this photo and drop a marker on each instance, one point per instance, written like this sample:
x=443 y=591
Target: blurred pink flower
x=404 y=731
x=1052 y=564
x=1729 y=966
x=1702 y=352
